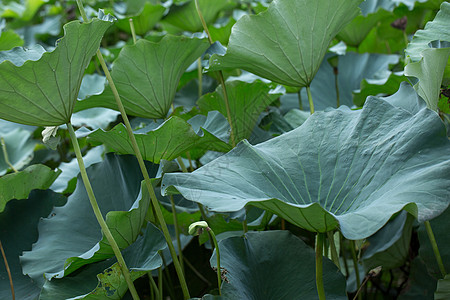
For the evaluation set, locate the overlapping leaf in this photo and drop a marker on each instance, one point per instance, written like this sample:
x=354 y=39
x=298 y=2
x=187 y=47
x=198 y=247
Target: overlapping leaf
x=19 y=185
x=274 y=265
x=341 y=169
x=72 y=237
x=44 y=92
x=246 y=100
x=19 y=146
x=146 y=75
x=428 y=64
x=168 y=141
x=286 y=43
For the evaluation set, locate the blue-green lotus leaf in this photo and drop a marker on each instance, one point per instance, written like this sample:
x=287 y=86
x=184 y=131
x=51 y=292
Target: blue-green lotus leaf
x=71 y=236
x=274 y=265
x=341 y=169
x=44 y=92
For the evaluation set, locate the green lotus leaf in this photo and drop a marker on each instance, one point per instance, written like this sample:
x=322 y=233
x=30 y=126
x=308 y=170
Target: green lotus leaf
x=146 y=75
x=443 y=288
x=143 y=20
x=18 y=223
x=428 y=65
x=341 y=169
x=389 y=247
x=44 y=92
x=287 y=42
x=19 y=185
x=185 y=17
x=19 y=147
x=168 y=141
x=9 y=39
x=438 y=29
x=71 y=237
x=141 y=257
x=429 y=71
x=246 y=100
x=264 y=265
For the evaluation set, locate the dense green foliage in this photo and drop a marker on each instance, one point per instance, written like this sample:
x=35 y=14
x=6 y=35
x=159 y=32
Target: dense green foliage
x=311 y=136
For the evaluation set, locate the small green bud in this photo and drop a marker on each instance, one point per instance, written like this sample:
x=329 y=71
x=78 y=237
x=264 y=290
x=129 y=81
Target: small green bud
x=197 y=227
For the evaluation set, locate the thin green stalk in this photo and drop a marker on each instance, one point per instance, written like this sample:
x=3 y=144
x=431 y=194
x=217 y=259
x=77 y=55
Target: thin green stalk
x=98 y=214
x=177 y=232
x=334 y=254
x=8 y=270
x=182 y=165
x=219 y=273
x=311 y=104
x=405 y=38
x=144 y=171
x=200 y=77
x=344 y=257
x=168 y=279
x=191 y=167
x=6 y=157
x=133 y=32
x=154 y=286
x=147 y=180
x=154 y=200
x=434 y=245
x=319 y=266
x=160 y=281
x=355 y=265
x=336 y=84
x=221 y=79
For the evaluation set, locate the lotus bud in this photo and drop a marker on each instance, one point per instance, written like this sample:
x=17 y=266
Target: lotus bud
x=196 y=228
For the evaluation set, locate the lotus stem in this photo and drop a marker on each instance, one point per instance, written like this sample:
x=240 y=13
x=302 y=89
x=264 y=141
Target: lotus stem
x=133 y=32
x=311 y=104
x=319 y=266
x=98 y=214
x=334 y=254
x=355 y=265
x=177 y=232
x=6 y=157
x=182 y=165
x=153 y=286
x=434 y=245
x=148 y=183
x=336 y=84
x=200 y=77
x=8 y=270
x=216 y=245
x=221 y=79
x=160 y=281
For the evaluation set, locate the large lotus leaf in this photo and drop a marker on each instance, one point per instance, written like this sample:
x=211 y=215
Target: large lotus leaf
x=18 y=231
x=44 y=92
x=246 y=100
x=389 y=247
x=185 y=16
x=146 y=75
x=19 y=146
x=72 y=237
x=440 y=227
x=19 y=185
x=287 y=42
x=168 y=141
x=274 y=265
x=141 y=257
x=144 y=20
x=9 y=39
x=66 y=182
x=341 y=168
